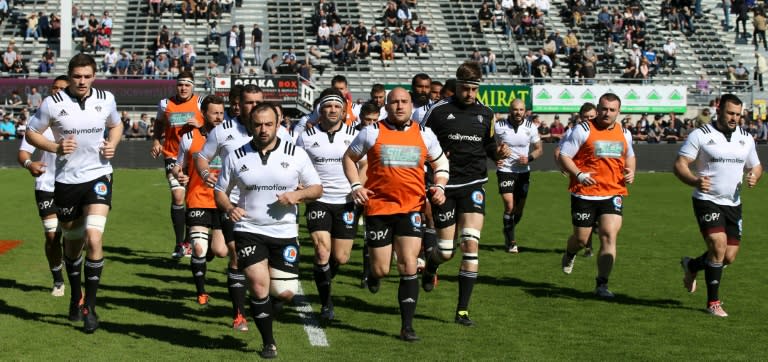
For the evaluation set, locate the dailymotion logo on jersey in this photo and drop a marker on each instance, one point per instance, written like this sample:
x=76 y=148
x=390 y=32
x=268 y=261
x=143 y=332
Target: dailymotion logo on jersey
x=327 y=160
x=462 y=137
x=79 y=131
x=258 y=188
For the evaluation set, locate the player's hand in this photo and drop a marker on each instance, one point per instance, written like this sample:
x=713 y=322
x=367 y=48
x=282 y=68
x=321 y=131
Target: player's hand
x=289 y=198
x=107 y=149
x=235 y=214
x=629 y=175
x=522 y=160
x=361 y=195
x=156 y=150
x=182 y=178
x=751 y=179
x=192 y=121
x=585 y=178
x=437 y=195
x=67 y=146
x=503 y=151
x=37 y=168
x=703 y=184
x=211 y=178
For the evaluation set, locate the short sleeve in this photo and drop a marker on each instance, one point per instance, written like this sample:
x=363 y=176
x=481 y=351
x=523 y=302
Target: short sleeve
x=307 y=173
x=691 y=146
x=39 y=121
x=226 y=176
x=364 y=141
x=572 y=145
x=434 y=151
x=211 y=147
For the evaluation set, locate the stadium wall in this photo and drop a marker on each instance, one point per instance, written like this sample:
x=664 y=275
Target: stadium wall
x=135 y=154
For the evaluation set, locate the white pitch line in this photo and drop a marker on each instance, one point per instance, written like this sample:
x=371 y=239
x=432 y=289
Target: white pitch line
x=311 y=326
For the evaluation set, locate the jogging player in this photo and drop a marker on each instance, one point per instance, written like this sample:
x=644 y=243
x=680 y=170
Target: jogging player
x=268 y=172
x=221 y=141
x=43 y=168
x=463 y=126
x=514 y=172
x=394 y=195
x=79 y=117
x=600 y=160
x=172 y=115
x=720 y=153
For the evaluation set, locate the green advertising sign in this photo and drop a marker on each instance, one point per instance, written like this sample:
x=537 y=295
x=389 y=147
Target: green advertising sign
x=496 y=96
x=634 y=99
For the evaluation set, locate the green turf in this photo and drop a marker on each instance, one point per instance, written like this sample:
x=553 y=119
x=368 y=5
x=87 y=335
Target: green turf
x=524 y=306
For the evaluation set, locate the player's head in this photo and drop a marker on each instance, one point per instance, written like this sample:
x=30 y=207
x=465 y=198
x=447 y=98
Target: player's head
x=420 y=84
x=449 y=88
x=517 y=111
x=262 y=124
x=234 y=100
x=251 y=96
x=185 y=85
x=399 y=106
x=434 y=90
x=82 y=72
x=369 y=114
x=587 y=112
x=61 y=82
x=213 y=110
x=340 y=83
x=332 y=106
x=729 y=112
x=378 y=94
x=468 y=78
x=608 y=108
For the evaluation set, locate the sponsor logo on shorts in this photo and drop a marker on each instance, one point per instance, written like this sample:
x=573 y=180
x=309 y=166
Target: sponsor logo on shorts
x=710 y=217
x=45 y=204
x=196 y=213
x=315 y=215
x=445 y=216
x=378 y=235
x=581 y=216
x=100 y=189
x=348 y=217
x=416 y=219
x=478 y=198
x=290 y=254
x=618 y=202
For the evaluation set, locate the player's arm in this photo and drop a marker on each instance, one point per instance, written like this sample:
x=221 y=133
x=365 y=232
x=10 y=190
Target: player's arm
x=221 y=192
x=158 y=131
x=114 y=133
x=537 y=151
x=182 y=162
x=352 y=156
x=36 y=168
x=38 y=123
x=439 y=163
x=569 y=150
x=753 y=167
x=683 y=172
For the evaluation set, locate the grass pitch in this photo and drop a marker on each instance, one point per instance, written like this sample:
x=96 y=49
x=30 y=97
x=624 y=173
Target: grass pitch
x=524 y=306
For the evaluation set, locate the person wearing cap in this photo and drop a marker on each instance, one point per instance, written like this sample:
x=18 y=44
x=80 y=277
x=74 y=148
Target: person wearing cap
x=599 y=158
x=720 y=153
x=323 y=33
x=172 y=115
x=397 y=149
x=331 y=218
x=463 y=125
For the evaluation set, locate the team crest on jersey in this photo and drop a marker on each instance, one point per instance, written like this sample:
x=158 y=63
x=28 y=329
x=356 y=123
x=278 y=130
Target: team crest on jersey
x=100 y=189
x=416 y=219
x=290 y=253
x=285 y=164
x=478 y=198
x=347 y=142
x=480 y=118
x=348 y=217
x=98 y=108
x=618 y=202
x=741 y=142
x=450 y=116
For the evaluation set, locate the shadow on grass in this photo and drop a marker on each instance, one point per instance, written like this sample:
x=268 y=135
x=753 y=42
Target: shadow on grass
x=184 y=279
x=12 y=284
x=21 y=313
x=521 y=248
x=150 y=261
x=166 y=308
x=175 y=336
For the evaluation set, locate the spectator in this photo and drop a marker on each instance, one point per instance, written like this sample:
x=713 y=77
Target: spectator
x=81 y=24
x=323 y=33
x=189 y=57
x=106 y=24
x=32 y=29
x=34 y=99
x=352 y=48
x=644 y=72
x=670 y=53
x=155 y=8
x=544 y=134
x=175 y=52
x=136 y=130
x=270 y=65
x=530 y=59
x=19 y=66
x=7 y=127
x=136 y=67
x=149 y=67
x=232 y=43
x=571 y=43
x=338 y=44
x=485 y=16
x=175 y=68
x=88 y=43
x=163 y=39
x=741 y=72
x=313 y=57
x=210 y=75
x=760 y=25
x=761 y=66
x=703 y=118
x=387 y=49
x=4 y=10
x=8 y=58
x=122 y=65
x=489 y=63
x=201 y=10
x=162 y=66
x=390 y=15
x=214 y=11
x=236 y=68
x=226 y=5
x=556 y=129
x=289 y=59
x=241 y=42
x=361 y=37
x=176 y=39
x=652 y=58
x=214 y=37
x=256 y=41
x=409 y=42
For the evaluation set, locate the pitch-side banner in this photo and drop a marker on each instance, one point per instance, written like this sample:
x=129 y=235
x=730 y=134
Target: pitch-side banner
x=496 y=96
x=634 y=98
x=128 y=92
x=288 y=90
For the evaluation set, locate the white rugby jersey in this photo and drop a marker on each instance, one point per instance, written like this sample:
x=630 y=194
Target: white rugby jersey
x=722 y=160
x=518 y=139
x=44 y=182
x=366 y=139
x=260 y=180
x=87 y=122
x=326 y=150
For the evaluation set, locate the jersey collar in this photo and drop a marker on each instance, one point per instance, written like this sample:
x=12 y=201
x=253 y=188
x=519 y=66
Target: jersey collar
x=80 y=102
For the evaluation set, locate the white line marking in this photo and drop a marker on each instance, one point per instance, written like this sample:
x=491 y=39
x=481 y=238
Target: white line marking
x=311 y=326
